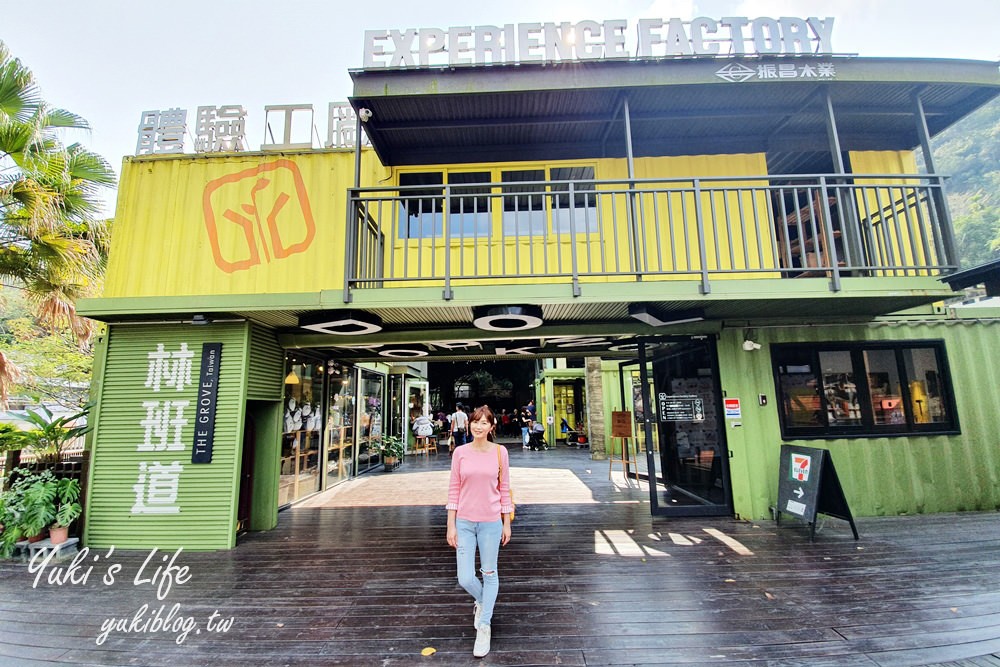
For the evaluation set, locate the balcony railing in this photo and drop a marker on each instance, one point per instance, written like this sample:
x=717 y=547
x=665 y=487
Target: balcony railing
x=704 y=229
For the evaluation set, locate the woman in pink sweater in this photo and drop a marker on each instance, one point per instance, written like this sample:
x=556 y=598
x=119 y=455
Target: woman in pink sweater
x=479 y=508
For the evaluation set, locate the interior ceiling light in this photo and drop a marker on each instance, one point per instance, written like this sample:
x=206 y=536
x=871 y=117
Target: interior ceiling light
x=342 y=322
x=507 y=318
x=647 y=313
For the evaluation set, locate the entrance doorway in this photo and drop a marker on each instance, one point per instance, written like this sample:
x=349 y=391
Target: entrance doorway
x=684 y=437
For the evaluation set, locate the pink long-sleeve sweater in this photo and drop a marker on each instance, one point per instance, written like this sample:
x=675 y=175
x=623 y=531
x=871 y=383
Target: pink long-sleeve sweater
x=473 y=490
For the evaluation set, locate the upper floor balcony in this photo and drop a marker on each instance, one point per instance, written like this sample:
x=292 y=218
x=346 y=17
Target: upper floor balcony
x=578 y=231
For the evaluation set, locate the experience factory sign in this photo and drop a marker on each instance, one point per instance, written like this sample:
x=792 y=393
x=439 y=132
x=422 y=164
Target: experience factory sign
x=596 y=40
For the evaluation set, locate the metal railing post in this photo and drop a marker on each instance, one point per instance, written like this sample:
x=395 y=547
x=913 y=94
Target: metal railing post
x=350 y=239
x=706 y=287
x=446 y=221
x=572 y=240
x=828 y=233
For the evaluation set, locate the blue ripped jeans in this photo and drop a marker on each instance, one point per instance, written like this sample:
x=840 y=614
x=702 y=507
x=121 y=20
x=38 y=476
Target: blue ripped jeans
x=486 y=535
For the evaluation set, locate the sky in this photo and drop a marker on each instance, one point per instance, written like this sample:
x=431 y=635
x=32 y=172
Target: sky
x=109 y=61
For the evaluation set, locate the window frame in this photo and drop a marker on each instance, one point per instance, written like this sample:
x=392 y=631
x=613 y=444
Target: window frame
x=868 y=428
x=437 y=217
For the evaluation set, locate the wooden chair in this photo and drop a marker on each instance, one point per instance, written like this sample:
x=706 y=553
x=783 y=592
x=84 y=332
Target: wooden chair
x=425 y=445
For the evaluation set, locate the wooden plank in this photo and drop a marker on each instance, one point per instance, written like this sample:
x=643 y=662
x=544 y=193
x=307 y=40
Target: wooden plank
x=366 y=578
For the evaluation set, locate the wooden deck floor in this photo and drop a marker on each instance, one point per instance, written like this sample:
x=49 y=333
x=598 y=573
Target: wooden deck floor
x=364 y=577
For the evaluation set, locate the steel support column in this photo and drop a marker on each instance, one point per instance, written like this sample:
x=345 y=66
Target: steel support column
x=937 y=188
x=632 y=208
x=647 y=426
x=852 y=244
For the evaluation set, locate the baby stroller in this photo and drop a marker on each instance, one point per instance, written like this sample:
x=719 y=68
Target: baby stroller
x=536 y=439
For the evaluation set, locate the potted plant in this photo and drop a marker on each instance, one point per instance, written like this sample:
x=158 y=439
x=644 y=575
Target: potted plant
x=40 y=501
x=68 y=508
x=390 y=447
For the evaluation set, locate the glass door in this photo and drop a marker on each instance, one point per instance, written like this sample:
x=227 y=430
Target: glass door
x=302 y=427
x=339 y=435
x=690 y=431
x=417 y=405
x=370 y=420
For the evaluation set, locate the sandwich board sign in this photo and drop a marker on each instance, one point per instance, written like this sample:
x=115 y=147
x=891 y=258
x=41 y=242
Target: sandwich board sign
x=808 y=485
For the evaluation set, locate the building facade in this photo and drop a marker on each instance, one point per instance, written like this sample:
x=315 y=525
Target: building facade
x=740 y=250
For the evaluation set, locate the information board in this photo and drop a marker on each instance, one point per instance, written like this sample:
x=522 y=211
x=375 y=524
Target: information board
x=621 y=424
x=808 y=485
x=680 y=407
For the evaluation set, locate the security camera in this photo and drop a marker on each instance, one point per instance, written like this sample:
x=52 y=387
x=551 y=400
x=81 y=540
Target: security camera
x=750 y=346
x=365 y=115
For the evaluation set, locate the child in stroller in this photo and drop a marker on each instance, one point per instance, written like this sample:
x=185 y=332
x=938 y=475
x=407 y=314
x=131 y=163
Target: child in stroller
x=536 y=440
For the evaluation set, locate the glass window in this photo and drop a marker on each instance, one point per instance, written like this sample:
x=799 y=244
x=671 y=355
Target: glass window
x=928 y=402
x=303 y=421
x=370 y=420
x=421 y=208
x=580 y=210
x=523 y=202
x=906 y=389
x=799 y=389
x=469 y=213
x=884 y=388
x=340 y=423
x=840 y=394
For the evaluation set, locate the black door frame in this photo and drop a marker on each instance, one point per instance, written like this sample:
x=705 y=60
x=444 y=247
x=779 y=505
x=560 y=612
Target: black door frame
x=643 y=361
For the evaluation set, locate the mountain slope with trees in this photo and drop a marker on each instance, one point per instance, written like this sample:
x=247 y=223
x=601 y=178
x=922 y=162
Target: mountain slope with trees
x=969 y=152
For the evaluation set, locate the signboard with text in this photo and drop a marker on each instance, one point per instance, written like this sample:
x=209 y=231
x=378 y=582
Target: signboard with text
x=621 y=424
x=808 y=485
x=596 y=40
x=680 y=407
x=208 y=393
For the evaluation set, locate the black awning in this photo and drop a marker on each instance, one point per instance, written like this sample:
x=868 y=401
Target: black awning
x=573 y=110
x=988 y=274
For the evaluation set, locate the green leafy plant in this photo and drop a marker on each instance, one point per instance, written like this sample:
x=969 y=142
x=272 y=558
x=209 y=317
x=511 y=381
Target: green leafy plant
x=50 y=436
x=11 y=438
x=68 y=507
x=38 y=502
x=389 y=446
x=34 y=502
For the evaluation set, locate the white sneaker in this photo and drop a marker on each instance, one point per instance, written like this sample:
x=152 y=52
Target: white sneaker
x=482 y=646
x=476 y=614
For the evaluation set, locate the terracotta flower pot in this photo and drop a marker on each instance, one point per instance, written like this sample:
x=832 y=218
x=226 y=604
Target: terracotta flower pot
x=36 y=538
x=58 y=534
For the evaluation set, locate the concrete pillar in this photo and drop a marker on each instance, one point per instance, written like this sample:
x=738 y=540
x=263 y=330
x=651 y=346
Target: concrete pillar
x=595 y=410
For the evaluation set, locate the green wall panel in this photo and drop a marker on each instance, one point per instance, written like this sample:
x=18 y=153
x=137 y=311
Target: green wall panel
x=265 y=373
x=193 y=507
x=881 y=476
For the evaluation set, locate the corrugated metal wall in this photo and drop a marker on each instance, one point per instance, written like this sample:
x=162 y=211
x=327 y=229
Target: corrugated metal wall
x=233 y=224
x=173 y=502
x=265 y=373
x=880 y=476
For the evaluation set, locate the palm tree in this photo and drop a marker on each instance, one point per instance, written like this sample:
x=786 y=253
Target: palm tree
x=53 y=243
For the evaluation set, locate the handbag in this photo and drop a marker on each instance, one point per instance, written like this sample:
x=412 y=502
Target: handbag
x=500 y=479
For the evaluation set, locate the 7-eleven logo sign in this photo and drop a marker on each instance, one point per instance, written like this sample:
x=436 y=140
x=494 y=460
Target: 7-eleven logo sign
x=801 y=465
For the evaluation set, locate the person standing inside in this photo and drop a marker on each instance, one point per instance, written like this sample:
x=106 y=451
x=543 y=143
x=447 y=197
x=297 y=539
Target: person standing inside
x=479 y=507
x=525 y=420
x=459 y=425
